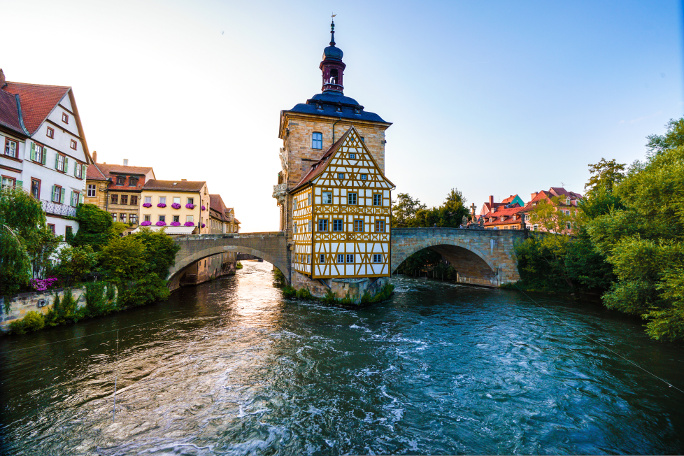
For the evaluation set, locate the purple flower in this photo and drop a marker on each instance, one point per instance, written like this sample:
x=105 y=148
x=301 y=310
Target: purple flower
x=146 y=223
x=203 y=225
x=190 y=206
x=147 y=204
x=161 y=205
x=189 y=224
x=43 y=284
x=175 y=223
x=161 y=223
x=176 y=206
x=204 y=208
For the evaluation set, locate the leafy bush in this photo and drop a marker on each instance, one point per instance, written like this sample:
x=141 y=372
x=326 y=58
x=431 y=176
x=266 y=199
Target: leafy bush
x=32 y=321
x=304 y=293
x=289 y=291
x=63 y=310
x=99 y=297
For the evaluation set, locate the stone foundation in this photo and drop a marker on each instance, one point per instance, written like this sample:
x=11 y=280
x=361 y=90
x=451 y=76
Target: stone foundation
x=353 y=289
x=41 y=302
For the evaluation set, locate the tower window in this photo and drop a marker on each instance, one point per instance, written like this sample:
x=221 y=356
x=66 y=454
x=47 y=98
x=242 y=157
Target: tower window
x=340 y=257
x=333 y=76
x=317 y=140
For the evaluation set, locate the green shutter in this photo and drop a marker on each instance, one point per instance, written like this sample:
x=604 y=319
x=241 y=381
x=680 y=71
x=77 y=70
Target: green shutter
x=44 y=156
x=52 y=194
x=56 y=159
x=33 y=151
x=66 y=164
x=62 y=196
x=75 y=169
x=80 y=198
x=20 y=184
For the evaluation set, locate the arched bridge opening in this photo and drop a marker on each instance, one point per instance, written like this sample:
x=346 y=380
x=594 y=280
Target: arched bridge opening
x=480 y=257
x=271 y=247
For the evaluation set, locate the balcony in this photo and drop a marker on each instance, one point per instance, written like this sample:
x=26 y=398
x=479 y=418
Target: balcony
x=63 y=210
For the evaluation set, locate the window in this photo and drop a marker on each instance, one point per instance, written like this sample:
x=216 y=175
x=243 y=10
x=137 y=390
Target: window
x=114 y=199
x=364 y=177
x=10 y=148
x=78 y=170
x=327 y=197
x=379 y=226
x=294 y=227
x=123 y=218
x=73 y=144
x=65 y=117
x=120 y=180
x=92 y=190
x=132 y=181
x=340 y=176
x=61 y=162
x=50 y=132
x=38 y=153
x=358 y=226
x=308 y=199
x=8 y=182
x=294 y=204
x=377 y=199
x=113 y=217
x=133 y=219
x=351 y=198
x=57 y=194
x=363 y=139
x=51 y=227
x=147 y=217
x=162 y=200
x=338 y=225
x=317 y=140
x=124 y=199
x=352 y=156
x=74 y=198
x=350 y=258
x=377 y=258
x=190 y=201
x=35 y=188
x=148 y=199
x=190 y=218
x=322 y=258
x=162 y=218
x=176 y=199
x=323 y=225
x=176 y=218
x=310 y=223
x=134 y=200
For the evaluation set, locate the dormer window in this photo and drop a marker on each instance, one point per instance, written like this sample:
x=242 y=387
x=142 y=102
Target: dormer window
x=120 y=180
x=50 y=132
x=317 y=140
x=65 y=117
x=73 y=144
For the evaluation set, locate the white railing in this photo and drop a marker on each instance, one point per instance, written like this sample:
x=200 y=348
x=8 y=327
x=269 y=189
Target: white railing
x=58 y=209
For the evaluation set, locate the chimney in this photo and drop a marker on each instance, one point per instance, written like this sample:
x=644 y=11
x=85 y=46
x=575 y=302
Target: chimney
x=491 y=199
x=125 y=162
x=3 y=83
x=184 y=180
x=94 y=156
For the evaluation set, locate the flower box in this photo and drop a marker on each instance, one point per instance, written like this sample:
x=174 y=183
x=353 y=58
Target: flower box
x=161 y=205
x=145 y=223
x=189 y=223
x=204 y=208
x=190 y=206
x=203 y=225
x=147 y=204
x=176 y=206
x=161 y=223
x=175 y=223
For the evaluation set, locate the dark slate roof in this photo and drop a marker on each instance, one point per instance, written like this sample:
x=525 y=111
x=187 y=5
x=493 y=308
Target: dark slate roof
x=9 y=113
x=335 y=104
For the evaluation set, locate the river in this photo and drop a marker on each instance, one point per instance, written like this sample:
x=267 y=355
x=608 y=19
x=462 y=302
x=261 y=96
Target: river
x=230 y=367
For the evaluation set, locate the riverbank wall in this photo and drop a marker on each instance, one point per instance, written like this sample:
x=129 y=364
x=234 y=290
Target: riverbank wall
x=39 y=301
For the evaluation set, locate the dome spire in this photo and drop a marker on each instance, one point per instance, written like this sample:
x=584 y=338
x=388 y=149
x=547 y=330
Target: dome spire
x=332 y=29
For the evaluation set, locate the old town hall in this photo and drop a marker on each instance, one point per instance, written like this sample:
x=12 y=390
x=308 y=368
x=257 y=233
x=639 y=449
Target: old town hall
x=334 y=198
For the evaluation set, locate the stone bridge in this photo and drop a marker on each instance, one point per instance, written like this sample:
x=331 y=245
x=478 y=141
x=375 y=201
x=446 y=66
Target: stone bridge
x=481 y=257
x=270 y=246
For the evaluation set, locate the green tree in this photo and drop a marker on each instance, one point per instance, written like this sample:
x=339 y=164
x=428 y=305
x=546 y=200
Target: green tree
x=74 y=264
x=548 y=215
x=605 y=175
x=94 y=227
x=404 y=210
x=673 y=138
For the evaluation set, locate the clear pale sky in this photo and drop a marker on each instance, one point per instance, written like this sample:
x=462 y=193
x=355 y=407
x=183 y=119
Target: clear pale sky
x=495 y=97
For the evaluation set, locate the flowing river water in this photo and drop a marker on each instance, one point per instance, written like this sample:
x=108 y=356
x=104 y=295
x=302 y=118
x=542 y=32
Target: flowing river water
x=230 y=367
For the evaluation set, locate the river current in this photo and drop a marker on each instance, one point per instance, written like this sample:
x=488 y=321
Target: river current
x=230 y=367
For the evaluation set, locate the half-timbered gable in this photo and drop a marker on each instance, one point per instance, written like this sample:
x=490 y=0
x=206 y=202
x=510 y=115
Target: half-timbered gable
x=342 y=214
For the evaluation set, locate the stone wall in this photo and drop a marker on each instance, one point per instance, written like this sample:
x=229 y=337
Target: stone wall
x=38 y=301
x=353 y=289
x=204 y=270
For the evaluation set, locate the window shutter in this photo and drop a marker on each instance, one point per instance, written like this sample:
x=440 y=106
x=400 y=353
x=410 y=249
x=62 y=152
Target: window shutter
x=33 y=151
x=52 y=196
x=56 y=160
x=71 y=198
x=76 y=169
x=80 y=198
x=20 y=184
x=43 y=158
x=62 y=196
x=66 y=164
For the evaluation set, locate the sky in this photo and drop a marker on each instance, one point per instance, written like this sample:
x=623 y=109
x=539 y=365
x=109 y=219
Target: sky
x=491 y=98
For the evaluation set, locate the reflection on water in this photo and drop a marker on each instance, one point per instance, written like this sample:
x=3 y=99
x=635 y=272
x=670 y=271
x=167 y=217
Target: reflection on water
x=230 y=367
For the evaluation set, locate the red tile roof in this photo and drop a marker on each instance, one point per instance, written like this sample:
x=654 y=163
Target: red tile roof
x=37 y=101
x=121 y=169
x=9 y=113
x=94 y=173
x=177 y=186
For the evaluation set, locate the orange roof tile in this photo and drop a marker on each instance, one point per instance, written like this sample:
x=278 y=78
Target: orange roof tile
x=37 y=101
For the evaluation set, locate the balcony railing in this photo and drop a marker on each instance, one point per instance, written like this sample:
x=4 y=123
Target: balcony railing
x=58 y=209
